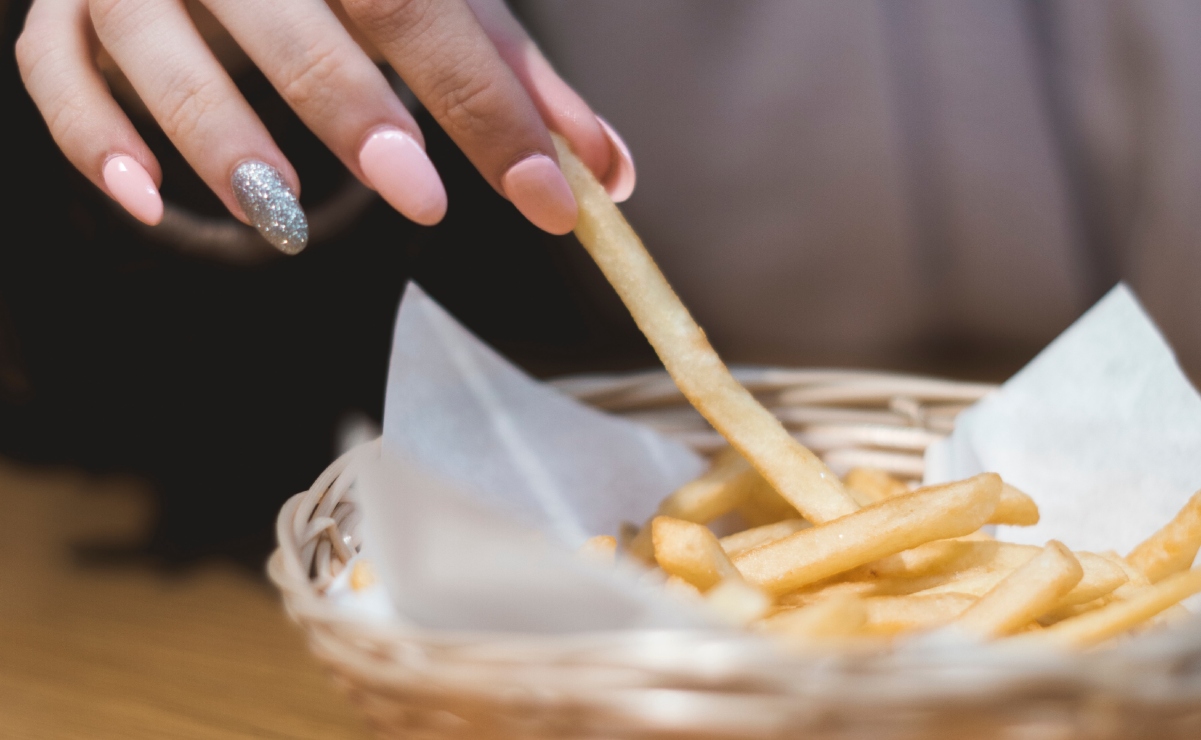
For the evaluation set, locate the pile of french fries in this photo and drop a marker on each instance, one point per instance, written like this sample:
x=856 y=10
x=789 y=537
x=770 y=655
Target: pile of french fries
x=824 y=559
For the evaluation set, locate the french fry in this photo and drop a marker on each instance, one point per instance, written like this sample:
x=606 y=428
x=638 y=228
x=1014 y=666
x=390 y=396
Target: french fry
x=1024 y=595
x=800 y=477
x=895 y=524
x=1174 y=547
x=839 y=616
x=764 y=506
x=717 y=492
x=690 y=551
x=1015 y=509
x=736 y=602
x=601 y=549
x=893 y=614
x=869 y=485
x=680 y=588
x=749 y=539
x=1111 y=620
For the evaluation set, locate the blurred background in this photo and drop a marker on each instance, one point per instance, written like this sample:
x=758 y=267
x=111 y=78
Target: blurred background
x=935 y=186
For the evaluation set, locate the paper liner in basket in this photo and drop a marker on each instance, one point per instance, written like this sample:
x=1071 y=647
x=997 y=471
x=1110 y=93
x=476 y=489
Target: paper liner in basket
x=489 y=481
x=1102 y=428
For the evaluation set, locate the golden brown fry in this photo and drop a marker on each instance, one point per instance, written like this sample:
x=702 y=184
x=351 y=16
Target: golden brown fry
x=794 y=471
x=837 y=616
x=869 y=485
x=976 y=566
x=1025 y=594
x=1174 y=547
x=680 y=588
x=362 y=576
x=690 y=551
x=600 y=549
x=725 y=485
x=893 y=614
x=1117 y=617
x=749 y=539
x=1015 y=509
x=893 y=525
x=764 y=506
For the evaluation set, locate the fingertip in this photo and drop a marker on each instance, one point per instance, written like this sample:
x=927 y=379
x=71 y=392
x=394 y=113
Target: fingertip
x=130 y=184
x=402 y=173
x=537 y=188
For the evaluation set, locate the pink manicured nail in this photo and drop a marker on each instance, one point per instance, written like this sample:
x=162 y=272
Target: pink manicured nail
x=537 y=187
x=402 y=173
x=131 y=185
x=621 y=177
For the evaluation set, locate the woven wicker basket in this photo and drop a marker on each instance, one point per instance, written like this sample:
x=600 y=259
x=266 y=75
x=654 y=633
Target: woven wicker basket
x=421 y=683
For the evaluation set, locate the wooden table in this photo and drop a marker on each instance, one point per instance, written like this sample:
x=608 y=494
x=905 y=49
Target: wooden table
x=128 y=652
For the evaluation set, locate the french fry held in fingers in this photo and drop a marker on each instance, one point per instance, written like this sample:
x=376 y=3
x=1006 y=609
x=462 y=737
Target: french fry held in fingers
x=1174 y=547
x=725 y=485
x=1097 y=626
x=892 y=525
x=795 y=472
x=1024 y=595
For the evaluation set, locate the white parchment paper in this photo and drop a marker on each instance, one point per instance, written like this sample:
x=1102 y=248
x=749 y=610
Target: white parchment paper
x=1102 y=428
x=491 y=479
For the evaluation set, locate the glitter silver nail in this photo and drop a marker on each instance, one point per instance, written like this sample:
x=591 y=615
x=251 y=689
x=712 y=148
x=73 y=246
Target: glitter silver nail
x=271 y=206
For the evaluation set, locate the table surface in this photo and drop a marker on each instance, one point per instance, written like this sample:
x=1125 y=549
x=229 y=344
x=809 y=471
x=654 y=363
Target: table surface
x=127 y=651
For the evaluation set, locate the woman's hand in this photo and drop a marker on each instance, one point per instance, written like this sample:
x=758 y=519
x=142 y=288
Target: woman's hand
x=468 y=61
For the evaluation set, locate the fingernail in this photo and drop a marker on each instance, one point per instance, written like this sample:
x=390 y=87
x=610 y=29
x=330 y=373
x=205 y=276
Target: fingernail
x=538 y=189
x=620 y=180
x=131 y=185
x=271 y=206
x=399 y=169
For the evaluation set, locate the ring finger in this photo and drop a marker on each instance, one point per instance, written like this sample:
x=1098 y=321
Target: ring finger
x=156 y=45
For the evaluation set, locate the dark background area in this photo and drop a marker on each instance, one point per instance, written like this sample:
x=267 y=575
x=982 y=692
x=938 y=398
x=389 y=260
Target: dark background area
x=223 y=385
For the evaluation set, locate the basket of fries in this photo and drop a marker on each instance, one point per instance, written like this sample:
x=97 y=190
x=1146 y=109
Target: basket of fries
x=414 y=682
x=842 y=597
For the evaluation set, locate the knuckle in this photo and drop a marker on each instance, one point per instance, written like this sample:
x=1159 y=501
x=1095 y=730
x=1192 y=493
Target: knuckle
x=466 y=100
x=190 y=101
x=388 y=19
x=30 y=49
x=107 y=15
x=314 y=77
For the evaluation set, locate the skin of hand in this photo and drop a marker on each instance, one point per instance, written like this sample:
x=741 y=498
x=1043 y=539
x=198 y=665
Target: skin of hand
x=469 y=62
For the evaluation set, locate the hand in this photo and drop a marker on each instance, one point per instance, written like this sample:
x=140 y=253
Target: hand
x=468 y=61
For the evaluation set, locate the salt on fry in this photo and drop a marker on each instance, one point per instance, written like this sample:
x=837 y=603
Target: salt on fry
x=691 y=552
x=892 y=525
x=800 y=477
x=1174 y=547
x=749 y=539
x=1111 y=620
x=1024 y=595
x=717 y=492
